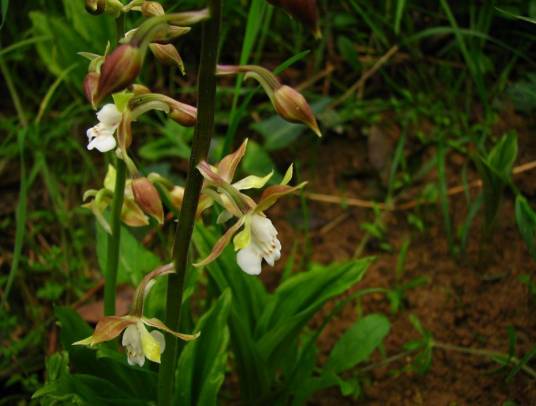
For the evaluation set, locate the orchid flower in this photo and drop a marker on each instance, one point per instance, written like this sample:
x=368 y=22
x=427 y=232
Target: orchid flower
x=257 y=241
x=127 y=107
x=138 y=341
x=101 y=136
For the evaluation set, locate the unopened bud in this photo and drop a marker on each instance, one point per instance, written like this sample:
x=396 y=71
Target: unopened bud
x=292 y=106
x=189 y=17
x=176 y=196
x=148 y=198
x=132 y=215
x=184 y=114
x=168 y=55
x=91 y=84
x=119 y=70
x=95 y=7
x=172 y=32
x=138 y=89
x=304 y=11
x=152 y=9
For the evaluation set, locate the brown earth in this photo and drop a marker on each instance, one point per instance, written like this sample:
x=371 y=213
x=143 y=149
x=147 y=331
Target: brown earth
x=469 y=302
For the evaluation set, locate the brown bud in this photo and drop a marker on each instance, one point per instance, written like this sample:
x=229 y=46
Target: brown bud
x=168 y=55
x=148 y=198
x=184 y=114
x=292 y=106
x=152 y=9
x=124 y=131
x=119 y=70
x=304 y=11
x=91 y=84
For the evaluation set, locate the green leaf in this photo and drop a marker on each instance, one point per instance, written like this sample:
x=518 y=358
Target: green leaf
x=249 y=300
x=526 y=223
x=4 y=4
x=358 y=343
x=257 y=161
x=135 y=261
x=298 y=299
x=202 y=364
x=503 y=155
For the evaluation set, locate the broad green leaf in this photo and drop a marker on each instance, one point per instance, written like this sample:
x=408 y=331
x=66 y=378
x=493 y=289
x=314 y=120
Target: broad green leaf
x=257 y=161
x=249 y=300
x=526 y=223
x=202 y=364
x=134 y=259
x=358 y=343
x=4 y=4
x=298 y=299
x=503 y=155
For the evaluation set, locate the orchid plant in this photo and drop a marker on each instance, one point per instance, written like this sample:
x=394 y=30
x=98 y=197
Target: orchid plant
x=134 y=199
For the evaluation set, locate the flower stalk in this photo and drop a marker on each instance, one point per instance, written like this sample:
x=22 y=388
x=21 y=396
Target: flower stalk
x=112 y=254
x=112 y=249
x=200 y=145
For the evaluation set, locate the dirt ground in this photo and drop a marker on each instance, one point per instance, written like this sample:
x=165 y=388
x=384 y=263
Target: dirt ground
x=468 y=303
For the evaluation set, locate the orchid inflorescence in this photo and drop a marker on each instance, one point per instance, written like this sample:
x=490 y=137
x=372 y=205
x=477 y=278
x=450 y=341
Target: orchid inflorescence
x=114 y=74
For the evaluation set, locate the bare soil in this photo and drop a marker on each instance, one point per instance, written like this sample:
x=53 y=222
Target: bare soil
x=469 y=302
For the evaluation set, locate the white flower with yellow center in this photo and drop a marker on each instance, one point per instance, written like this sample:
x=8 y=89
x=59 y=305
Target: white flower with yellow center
x=253 y=235
x=141 y=344
x=263 y=244
x=101 y=136
x=138 y=341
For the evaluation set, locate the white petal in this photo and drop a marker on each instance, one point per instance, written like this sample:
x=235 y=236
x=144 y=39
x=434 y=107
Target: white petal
x=131 y=336
x=274 y=253
x=160 y=339
x=131 y=340
x=249 y=260
x=92 y=132
x=262 y=229
x=103 y=143
x=109 y=115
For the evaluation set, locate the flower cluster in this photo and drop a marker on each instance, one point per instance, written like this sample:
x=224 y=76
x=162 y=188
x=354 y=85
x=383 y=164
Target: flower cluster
x=111 y=80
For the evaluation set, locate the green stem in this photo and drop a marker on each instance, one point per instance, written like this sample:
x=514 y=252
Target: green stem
x=494 y=355
x=112 y=257
x=200 y=145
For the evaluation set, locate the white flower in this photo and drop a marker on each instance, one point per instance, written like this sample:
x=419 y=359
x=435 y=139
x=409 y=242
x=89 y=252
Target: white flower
x=101 y=136
x=263 y=244
x=141 y=344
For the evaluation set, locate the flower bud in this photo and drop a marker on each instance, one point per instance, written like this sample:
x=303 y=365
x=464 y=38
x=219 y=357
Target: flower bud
x=132 y=215
x=176 y=196
x=168 y=55
x=148 y=198
x=152 y=9
x=186 y=115
x=138 y=89
x=293 y=107
x=304 y=11
x=95 y=7
x=119 y=70
x=91 y=84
